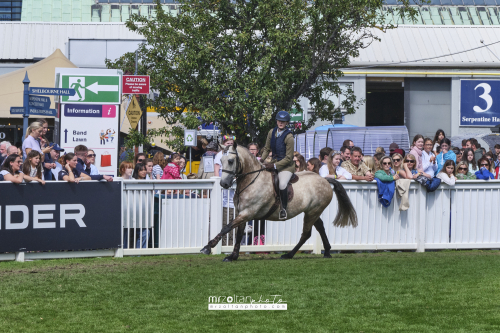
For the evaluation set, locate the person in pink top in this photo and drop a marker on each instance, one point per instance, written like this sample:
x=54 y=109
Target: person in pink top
x=173 y=169
x=417 y=149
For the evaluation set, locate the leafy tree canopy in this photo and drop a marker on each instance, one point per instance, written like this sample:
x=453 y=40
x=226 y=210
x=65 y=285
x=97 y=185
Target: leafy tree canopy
x=239 y=62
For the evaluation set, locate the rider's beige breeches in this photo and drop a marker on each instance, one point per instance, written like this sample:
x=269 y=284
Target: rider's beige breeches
x=284 y=177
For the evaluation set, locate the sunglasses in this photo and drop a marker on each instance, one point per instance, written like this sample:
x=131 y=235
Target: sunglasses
x=463 y=169
x=140 y=160
x=91 y=155
x=484 y=164
x=410 y=161
x=386 y=163
x=396 y=159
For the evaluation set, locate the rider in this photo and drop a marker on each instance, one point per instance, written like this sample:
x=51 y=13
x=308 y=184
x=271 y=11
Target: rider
x=280 y=142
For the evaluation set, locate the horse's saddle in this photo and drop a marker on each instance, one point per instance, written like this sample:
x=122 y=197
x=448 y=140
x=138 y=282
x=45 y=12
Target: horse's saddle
x=276 y=188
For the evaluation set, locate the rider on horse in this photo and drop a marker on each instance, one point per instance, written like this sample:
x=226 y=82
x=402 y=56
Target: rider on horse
x=280 y=142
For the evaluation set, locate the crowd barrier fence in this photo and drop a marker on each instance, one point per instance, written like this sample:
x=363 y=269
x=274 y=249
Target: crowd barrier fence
x=181 y=216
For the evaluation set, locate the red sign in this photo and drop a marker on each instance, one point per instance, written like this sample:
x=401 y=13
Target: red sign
x=136 y=84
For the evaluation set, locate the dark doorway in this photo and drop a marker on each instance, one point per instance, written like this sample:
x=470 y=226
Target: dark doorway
x=384 y=103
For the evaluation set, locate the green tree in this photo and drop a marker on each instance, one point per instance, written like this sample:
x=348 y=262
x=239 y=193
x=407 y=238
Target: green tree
x=239 y=62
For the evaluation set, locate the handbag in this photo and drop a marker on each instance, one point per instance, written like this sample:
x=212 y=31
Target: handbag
x=105 y=159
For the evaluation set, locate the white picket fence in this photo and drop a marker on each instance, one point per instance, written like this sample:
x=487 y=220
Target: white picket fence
x=182 y=216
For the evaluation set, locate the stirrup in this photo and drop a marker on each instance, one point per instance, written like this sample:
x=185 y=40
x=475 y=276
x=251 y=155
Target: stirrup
x=282 y=214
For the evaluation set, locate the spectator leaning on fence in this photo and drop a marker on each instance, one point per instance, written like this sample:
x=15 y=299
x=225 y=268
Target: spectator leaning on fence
x=158 y=165
x=70 y=172
x=323 y=155
x=484 y=169
x=429 y=164
x=32 y=166
x=126 y=170
x=410 y=167
x=149 y=168
x=447 y=173
x=397 y=165
x=300 y=162
x=313 y=165
x=11 y=170
x=358 y=170
x=90 y=168
x=445 y=154
x=140 y=172
x=462 y=172
x=333 y=169
x=437 y=141
x=386 y=173
x=81 y=153
x=345 y=154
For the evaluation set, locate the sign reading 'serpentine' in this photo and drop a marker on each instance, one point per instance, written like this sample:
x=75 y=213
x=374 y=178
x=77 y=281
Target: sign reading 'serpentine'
x=480 y=103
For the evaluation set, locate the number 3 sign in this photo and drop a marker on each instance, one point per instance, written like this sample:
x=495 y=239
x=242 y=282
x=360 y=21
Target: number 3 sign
x=480 y=103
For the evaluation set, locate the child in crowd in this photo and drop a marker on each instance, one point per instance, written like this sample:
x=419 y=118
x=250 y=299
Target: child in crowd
x=33 y=167
x=140 y=172
x=173 y=169
x=313 y=165
x=447 y=173
x=437 y=141
x=333 y=169
x=429 y=164
x=11 y=170
x=468 y=156
x=463 y=173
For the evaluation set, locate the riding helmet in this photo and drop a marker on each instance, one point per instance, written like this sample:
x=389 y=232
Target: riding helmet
x=283 y=116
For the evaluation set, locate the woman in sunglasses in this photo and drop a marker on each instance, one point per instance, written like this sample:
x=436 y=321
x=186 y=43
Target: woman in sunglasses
x=462 y=172
x=484 y=169
x=385 y=174
x=410 y=166
x=397 y=165
x=446 y=154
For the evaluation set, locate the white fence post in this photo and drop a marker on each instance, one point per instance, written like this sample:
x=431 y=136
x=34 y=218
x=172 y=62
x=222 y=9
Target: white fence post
x=216 y=213
x=421 y=218
x=317 y=242
x=20 y=256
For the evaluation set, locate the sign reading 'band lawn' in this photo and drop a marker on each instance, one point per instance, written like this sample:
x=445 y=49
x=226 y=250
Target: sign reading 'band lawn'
x=480 y=103
x=96 y=89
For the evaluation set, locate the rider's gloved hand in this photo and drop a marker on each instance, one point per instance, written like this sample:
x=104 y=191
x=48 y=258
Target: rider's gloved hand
x=269 y=166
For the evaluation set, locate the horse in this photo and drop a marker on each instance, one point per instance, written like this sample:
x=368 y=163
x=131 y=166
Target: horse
x=255 y=196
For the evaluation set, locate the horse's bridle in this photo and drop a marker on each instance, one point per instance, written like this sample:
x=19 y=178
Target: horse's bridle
x=239 y=174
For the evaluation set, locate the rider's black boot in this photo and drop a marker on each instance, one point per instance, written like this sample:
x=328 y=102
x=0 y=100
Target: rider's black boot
x=284 y=203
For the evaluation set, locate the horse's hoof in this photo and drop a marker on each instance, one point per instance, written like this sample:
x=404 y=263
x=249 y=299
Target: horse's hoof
x=285 y=256
x=228 y=259
x=327 y=256
x=206 y=250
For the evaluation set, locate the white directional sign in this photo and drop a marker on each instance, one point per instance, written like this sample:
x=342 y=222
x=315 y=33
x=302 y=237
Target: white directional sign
x=92 y=89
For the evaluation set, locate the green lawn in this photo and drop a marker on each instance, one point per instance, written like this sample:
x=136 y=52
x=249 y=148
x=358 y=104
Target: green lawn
x=371 y=292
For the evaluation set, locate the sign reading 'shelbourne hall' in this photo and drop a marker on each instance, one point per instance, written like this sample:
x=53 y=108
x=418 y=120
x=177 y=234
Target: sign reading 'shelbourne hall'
x=480 y=103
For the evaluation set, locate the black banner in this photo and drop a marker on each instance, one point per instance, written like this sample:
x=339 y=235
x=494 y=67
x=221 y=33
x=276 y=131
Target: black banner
x=60 y=216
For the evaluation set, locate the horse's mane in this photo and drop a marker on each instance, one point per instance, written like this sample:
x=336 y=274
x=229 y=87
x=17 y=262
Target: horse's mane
x=251 y=156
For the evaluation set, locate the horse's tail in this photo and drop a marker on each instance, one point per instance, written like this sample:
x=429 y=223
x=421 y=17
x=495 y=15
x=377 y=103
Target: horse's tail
x=346 y=215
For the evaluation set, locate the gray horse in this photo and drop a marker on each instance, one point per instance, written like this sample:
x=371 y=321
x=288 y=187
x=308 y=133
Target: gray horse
x=255 y=196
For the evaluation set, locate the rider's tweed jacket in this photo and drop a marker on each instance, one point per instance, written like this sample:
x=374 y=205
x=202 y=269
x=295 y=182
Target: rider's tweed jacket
x=286 y=164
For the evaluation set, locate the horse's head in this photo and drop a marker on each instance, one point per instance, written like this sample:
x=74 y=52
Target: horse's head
x=231 y=164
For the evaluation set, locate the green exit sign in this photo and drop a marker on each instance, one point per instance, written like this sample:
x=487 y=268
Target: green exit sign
x=296 y=116
x=93 y=88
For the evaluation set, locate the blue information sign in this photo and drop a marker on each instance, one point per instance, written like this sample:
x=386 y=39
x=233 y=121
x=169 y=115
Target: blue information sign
x=39 y=102
x=52 y=91
x=480 y=103
x=34 y=111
